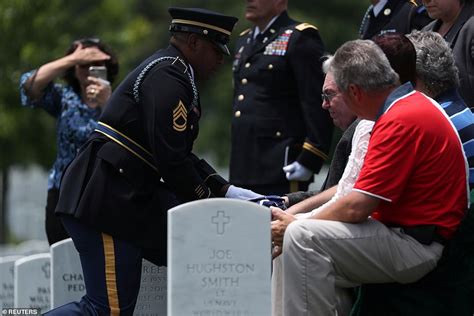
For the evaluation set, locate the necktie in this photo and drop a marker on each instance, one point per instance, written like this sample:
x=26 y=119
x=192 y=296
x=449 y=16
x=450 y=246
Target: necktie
x=257 y=40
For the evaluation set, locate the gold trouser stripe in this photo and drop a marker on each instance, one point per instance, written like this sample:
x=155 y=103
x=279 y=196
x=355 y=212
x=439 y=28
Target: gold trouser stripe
x=315 y=151
x=209 y=26
x=110 y=275
x=294 y=186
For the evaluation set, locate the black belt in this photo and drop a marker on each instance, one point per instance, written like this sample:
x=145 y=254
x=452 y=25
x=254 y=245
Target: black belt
x=425 y=234
x=127 y=143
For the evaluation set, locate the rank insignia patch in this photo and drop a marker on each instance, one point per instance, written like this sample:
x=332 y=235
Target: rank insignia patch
x=180 y=117
x=279 y=46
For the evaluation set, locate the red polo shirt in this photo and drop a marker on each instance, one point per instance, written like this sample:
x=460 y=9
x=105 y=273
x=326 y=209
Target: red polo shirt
x=416 y=166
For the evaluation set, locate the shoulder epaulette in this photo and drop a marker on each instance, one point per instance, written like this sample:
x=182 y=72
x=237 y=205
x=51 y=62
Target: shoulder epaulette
x=413 y=2
x=244 y=32
x=303 y=26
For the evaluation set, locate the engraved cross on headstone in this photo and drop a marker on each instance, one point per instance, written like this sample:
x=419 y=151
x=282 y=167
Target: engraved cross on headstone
x=220 y=220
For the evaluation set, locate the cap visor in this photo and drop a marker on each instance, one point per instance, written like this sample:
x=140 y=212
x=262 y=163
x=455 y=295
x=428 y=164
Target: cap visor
x=223 y=48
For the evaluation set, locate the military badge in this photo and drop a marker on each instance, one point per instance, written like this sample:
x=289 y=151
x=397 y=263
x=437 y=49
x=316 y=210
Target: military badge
x=180 y=117
x=279 y=46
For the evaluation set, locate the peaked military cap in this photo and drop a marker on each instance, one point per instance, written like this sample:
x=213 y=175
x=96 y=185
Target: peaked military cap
x=215 y=26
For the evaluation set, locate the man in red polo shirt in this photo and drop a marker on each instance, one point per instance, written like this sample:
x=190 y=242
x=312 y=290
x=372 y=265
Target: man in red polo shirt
x=410 y=197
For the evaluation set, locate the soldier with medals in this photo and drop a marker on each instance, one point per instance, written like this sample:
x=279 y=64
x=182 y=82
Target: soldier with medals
x=280 y=133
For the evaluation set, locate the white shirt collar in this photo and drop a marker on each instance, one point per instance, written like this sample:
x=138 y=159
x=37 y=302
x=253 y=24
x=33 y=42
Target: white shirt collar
x=379 y=6
x=257 y=29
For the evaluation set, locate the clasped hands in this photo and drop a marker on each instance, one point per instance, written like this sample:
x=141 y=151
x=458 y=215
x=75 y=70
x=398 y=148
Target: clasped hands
x=280 y=221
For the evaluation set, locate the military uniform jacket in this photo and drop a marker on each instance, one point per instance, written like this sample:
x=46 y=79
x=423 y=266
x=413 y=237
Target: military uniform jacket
x=111 y=188
x=461 y=39
x=401 y=16
x=277 y=113
x=336 y=168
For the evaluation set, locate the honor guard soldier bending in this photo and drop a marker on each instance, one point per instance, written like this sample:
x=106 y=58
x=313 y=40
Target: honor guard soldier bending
x=139 y=163
x=278 y=121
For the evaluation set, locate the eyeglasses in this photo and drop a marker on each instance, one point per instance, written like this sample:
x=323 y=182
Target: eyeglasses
x=328 y=96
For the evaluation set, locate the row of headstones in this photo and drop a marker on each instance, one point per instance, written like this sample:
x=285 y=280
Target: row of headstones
x=49 y=280
x=219 y=258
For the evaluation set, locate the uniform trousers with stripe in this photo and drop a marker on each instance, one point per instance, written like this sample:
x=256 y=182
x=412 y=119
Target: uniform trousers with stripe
x=111 y=269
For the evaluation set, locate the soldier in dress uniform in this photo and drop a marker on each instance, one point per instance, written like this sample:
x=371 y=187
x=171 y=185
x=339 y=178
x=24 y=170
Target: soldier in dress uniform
x=139 y=163
x=277 y=118
x=401 y=16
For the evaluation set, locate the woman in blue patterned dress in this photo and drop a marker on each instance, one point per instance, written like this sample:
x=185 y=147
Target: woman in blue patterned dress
x=76 y=105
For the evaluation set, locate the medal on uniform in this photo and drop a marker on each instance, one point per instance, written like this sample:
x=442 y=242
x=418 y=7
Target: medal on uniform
x=279 y=46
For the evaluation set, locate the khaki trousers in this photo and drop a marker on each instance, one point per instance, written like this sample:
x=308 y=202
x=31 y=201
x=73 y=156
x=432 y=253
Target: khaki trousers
x=321 y=259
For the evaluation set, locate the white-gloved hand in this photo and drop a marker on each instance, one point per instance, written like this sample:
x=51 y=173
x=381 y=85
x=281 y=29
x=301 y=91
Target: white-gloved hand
x=240 y=193
x=297 y=172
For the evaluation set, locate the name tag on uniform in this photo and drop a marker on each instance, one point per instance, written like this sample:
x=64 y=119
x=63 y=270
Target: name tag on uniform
x=279 y=46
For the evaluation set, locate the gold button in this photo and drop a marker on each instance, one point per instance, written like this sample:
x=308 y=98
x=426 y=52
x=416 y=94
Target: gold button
x=237 y=114
x=247 y=65
x=278 y=134
x=121 y=170
x=270 y=66
x=241 y=97
x=244 y=81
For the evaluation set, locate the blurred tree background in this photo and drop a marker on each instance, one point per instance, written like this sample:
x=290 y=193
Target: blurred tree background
x=35 y=32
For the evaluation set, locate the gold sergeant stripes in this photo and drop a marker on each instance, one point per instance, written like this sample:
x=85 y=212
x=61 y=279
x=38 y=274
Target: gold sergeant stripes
x=315 y=151
x=180 y=112
x=200 y=191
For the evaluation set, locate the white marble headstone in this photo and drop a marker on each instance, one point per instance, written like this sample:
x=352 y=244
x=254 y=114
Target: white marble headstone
x=152 y=296
x=67 y=280
x=32 y=282
x=6 y=281
x=219 y=259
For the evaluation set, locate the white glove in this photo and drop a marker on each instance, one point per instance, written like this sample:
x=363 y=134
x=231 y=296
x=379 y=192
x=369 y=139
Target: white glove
x=297 y=172
x=240 y=193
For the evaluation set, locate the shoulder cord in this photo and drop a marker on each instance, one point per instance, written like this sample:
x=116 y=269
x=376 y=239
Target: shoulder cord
x=141 y=76
x=365 y=20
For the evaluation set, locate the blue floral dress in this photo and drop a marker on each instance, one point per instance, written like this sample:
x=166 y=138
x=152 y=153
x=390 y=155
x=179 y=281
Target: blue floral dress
x=75 y=122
